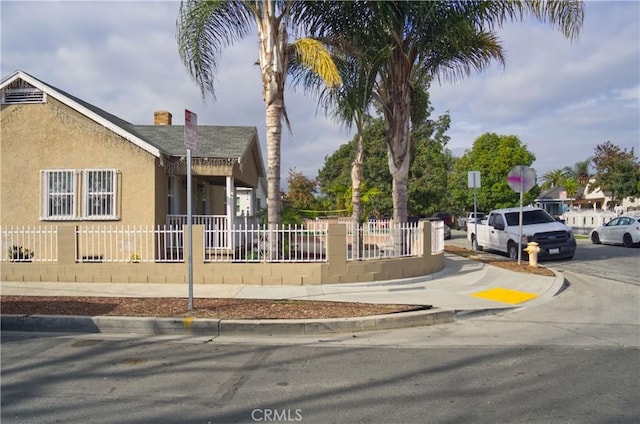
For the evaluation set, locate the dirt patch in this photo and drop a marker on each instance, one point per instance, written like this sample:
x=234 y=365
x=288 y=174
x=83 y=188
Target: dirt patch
x=202 y=308
x=505 y=263
x=230 y=308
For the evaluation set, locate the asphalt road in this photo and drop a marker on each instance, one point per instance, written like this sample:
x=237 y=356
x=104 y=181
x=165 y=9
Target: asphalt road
x=616 y=263
x=575 y=359
x=49 y=379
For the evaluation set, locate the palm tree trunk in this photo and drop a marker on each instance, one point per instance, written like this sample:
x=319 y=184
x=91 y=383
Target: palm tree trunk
x=356 y=198
x=396 y=96
x=274 y=136
x=399 y=156
x=272 y=53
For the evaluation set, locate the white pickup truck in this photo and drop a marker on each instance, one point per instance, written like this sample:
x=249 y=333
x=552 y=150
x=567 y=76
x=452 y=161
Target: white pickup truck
x=500 y=232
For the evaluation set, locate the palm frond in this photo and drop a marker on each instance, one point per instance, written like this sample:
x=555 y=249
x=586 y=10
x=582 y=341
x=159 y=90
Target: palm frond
x=312 y=54
x=203 y=30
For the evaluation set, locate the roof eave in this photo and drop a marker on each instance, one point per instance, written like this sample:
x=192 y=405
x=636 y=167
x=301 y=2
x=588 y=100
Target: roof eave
x=81 y=109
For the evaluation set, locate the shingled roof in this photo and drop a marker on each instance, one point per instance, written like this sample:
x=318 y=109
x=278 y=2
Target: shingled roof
x=213 y=141
x=226 y=142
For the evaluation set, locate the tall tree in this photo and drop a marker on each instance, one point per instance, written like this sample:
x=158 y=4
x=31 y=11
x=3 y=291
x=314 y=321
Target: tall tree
x=494 y=156
x=301 y=190
x=205 y=28
x=428 y=173
x=580 y=172
x=349 y=105
x=617 y=172
x=433 y=38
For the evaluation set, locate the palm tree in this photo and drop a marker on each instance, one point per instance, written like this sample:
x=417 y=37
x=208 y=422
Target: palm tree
x=204 y=29
x=421 y=39
x=580 y=171
x=554 y=178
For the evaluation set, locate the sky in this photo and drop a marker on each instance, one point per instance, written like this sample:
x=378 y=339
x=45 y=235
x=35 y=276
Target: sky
x=560 y=97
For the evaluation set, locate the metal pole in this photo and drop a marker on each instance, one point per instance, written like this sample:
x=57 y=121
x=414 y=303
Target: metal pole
x=475 y=213
x=520 y=217
x=189 y=232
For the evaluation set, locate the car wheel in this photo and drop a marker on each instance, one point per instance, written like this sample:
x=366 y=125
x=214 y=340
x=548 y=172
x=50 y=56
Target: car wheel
x=595 y=238
x=512 y=249
x=627 y=241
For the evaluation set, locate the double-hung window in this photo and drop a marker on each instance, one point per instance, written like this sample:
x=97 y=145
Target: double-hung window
x=59 y=194
x=69 y=194
x=99 y=193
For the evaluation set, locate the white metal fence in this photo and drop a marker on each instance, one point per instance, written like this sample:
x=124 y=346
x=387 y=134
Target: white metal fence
x=582 y=222
x=256 y=243
x=29 y=244
x=259 y=243
x=104 y=243
x=382 y=239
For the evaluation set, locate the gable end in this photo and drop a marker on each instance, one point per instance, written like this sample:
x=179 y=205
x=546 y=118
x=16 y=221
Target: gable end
x=21 y=92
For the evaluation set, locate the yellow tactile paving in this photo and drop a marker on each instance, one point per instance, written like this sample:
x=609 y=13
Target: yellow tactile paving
x=499 y=294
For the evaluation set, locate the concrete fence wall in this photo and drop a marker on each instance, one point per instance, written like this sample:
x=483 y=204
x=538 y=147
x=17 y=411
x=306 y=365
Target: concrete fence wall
x=336 y=269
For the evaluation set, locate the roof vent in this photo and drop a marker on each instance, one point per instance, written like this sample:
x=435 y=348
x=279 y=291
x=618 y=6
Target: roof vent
x=14 y=96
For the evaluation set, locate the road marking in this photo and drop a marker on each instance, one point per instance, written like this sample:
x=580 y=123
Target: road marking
x=499 y=294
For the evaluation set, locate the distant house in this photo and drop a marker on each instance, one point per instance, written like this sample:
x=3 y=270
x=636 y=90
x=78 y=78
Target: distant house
x=587 y=199
x=553 y=200
x=63 y=160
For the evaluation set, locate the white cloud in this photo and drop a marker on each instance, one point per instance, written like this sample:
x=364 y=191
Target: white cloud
x=561 y=98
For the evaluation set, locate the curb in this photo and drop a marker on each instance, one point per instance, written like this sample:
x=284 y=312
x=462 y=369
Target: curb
x=217 y=327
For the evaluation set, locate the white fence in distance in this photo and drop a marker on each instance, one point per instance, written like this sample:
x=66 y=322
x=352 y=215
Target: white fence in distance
x=582 y=222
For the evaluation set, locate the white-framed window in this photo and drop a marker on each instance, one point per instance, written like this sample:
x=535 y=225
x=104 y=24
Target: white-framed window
x=71 y=194
x=99 y=193
x=173 y=200
x=59 y=194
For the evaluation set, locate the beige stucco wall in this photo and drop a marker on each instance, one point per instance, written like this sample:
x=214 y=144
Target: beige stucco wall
x=37 y=137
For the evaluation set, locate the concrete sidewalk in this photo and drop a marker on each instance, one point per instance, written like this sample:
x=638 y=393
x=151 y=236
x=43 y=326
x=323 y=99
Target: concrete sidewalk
x=462 y=287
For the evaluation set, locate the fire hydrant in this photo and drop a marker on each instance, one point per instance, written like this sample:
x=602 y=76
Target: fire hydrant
x=532 y=249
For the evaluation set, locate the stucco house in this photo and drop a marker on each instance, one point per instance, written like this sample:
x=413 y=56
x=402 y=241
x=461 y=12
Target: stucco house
x=88 y=196
x=63 y=160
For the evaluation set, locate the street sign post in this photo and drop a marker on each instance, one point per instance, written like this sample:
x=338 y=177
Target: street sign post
x=191 y=143
x=521 y=179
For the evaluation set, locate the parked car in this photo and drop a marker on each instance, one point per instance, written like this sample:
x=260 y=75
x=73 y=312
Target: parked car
x=624 y=230
x=447 y=232
x=501 y=232
x=472 y=217
x=447 y=218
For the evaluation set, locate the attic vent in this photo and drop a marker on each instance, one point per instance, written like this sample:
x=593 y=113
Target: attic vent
x=13 y=96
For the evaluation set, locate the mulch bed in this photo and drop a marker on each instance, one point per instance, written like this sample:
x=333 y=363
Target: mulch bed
x=202 y=307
